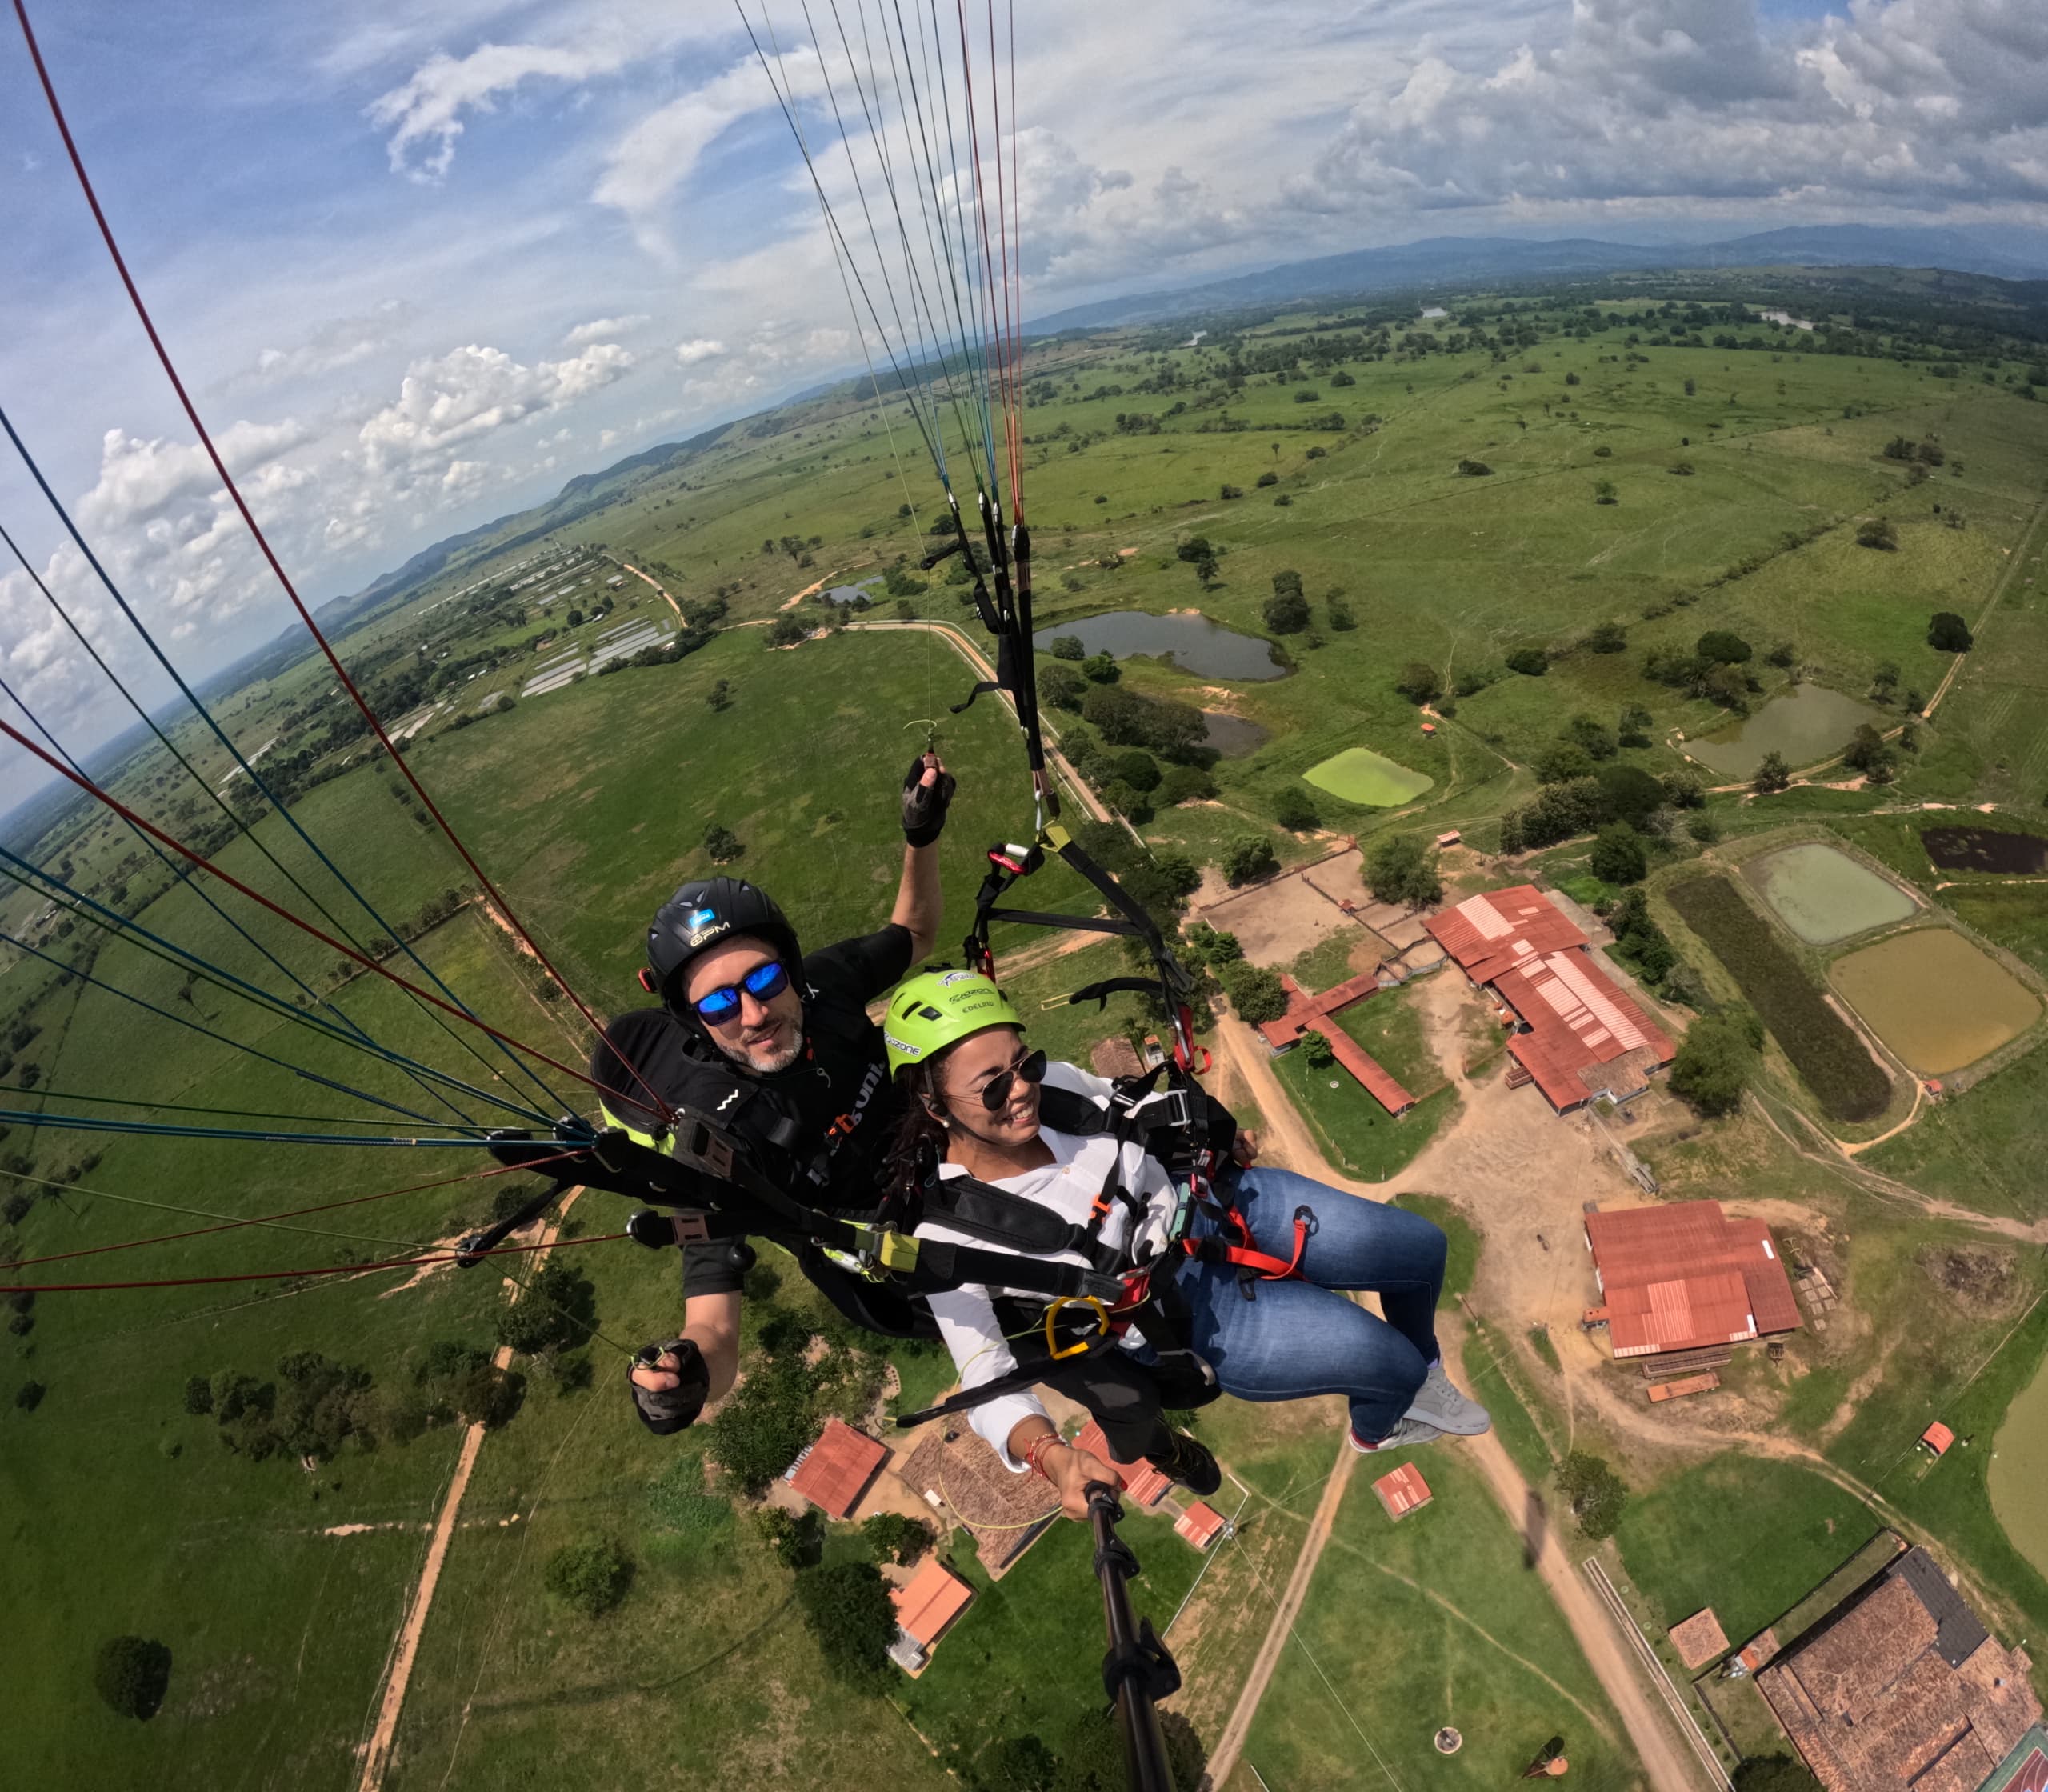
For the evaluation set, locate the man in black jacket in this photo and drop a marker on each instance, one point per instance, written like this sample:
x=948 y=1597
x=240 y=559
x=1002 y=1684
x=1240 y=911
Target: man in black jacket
x=774 y=1044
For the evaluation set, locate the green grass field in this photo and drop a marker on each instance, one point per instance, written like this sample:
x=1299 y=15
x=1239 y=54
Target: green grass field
x=1357 y=1134
x=1431 y=1622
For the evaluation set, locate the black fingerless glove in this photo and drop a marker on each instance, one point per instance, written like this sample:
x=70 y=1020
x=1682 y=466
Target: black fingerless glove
x=925 y=804
x=664 y=1411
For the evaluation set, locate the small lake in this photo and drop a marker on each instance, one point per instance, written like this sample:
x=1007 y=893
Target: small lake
x=851 y=594
x=1808 y=722
x=1231 y=735
x=1192 y=643
x=2019 y=1470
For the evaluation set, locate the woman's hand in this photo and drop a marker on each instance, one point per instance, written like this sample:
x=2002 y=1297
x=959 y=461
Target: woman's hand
x=1244 y=1149
x=1070 y=1471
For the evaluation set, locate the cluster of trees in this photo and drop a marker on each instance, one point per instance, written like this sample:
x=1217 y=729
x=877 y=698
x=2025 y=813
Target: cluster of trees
x=721 y=845
x=322 y=1405
x=131 y=1674
x=1596 y=1494
x=1587 y=801
x=1711 y=670
x=590 y=1577
x=1287 y=609
x=1402 y=868
x=1716 y=1060
x=554 y=1317
x=1200 y=552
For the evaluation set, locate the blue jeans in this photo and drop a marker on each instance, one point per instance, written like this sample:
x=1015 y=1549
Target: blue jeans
x=1301 y=1337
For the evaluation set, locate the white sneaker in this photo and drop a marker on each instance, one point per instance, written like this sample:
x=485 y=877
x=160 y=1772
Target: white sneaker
x=1409 y=1432
x=1438 y=1403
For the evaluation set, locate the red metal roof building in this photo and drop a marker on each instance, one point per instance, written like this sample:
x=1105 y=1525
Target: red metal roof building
x=1937 y=1438
x=1201 y=1524
x=1686 y=1277
x=1582 y=1036
x=835 y=1472
x=1143 y=1484
x=1310 y=1014
x=1403 y=1491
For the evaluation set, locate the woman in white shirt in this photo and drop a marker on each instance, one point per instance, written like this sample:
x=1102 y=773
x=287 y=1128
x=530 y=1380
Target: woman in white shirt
x=972 y=1085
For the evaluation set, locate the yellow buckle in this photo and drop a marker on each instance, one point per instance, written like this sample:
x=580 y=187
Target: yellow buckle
x=1052 y=1313
x=1054 y=835
x=899 y=1251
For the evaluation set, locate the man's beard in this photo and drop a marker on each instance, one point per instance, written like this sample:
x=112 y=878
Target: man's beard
x=764 y=1059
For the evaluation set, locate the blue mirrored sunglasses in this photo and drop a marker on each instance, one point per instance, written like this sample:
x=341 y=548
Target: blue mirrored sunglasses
x=764 y=983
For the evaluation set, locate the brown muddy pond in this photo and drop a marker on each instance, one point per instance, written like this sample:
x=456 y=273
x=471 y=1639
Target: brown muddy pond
x=1934 y=998
x=1985 y=848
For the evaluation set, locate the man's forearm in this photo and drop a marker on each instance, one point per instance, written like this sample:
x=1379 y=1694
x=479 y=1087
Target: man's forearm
x=920 y=902
x=711 y=1323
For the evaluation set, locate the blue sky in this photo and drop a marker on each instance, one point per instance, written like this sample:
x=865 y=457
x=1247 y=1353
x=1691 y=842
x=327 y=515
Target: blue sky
x=422 y=262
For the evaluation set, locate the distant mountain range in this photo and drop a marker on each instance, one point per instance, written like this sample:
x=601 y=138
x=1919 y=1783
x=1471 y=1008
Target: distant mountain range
x=1449 y=262
x=1438 y=262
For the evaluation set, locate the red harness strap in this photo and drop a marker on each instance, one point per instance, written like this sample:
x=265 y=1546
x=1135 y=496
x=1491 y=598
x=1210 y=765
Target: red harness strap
x=1241 y=1249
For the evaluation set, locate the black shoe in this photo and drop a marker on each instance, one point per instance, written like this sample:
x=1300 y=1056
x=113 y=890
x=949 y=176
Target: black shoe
x=1190 y=1464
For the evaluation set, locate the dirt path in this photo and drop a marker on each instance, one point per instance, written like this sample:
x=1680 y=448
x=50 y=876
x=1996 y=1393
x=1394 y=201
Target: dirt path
x=1666 y=1762
x=1229 y=1745
x=376 y=1752
x=651 y=579
x=1997 y=591
x=968 y=651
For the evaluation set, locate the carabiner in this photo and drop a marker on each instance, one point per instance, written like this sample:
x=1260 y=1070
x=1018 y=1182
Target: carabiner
x=1052 y=1313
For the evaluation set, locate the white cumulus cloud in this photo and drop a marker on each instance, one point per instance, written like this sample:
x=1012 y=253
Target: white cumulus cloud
x=598 y=329
x=698 y=348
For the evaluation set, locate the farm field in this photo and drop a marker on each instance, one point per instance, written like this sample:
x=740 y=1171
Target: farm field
x=1934 y=998
x=1358 y=1135
x=2019 y=1470
x=1430 y=1621
x=1823 y=895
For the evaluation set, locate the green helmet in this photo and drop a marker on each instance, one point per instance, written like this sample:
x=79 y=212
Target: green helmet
x=939 y=1008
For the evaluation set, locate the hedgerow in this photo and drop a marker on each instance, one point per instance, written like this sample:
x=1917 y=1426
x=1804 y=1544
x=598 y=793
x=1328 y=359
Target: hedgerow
x=1824 y=1049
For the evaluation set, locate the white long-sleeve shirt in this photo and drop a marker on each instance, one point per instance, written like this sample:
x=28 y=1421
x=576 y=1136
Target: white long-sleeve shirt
x=1080 y=1170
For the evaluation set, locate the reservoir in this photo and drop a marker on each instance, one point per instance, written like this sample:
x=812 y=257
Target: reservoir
x=1809 y=723
x=2019 y=1471
x=1191 y=642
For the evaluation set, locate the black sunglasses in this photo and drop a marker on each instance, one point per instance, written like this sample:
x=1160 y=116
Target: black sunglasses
x=996 y=1092
x=764 y=983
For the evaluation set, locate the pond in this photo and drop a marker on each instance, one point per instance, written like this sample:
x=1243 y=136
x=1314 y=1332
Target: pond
x=2019 y=1470
x=852 y=593
x=1358 y=774
x=1824 y=895
x=1232 y=736
x=1985 y=848
x=1934 y=998
x=1188 y=639
x=1808 y=722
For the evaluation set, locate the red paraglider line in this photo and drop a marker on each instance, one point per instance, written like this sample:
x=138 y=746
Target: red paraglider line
x=291 y=1213
x=327 y=940
x=325 y=1269
x=263 y=543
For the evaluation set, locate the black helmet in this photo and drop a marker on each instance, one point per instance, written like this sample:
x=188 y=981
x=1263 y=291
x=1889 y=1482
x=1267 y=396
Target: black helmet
x=700 y=914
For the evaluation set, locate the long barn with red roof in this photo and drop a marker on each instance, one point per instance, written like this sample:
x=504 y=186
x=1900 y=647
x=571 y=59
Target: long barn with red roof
x=1580 y=1035
x=1686 y=1277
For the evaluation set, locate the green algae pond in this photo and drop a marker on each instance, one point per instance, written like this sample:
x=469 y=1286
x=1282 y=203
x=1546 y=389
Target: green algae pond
x=1934 y=998
x=1358 y=774
x=2019 y=1471
x=1807 y=723
x=1823 y=895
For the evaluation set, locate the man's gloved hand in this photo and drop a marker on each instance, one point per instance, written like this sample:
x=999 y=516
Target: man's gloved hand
x=670 y=1384
x=928 y=789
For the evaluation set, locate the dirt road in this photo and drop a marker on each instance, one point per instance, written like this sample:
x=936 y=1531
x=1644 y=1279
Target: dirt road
x=1223 y=1757
x=972 y=655
x=376 y=1752
x=1664 y=1759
